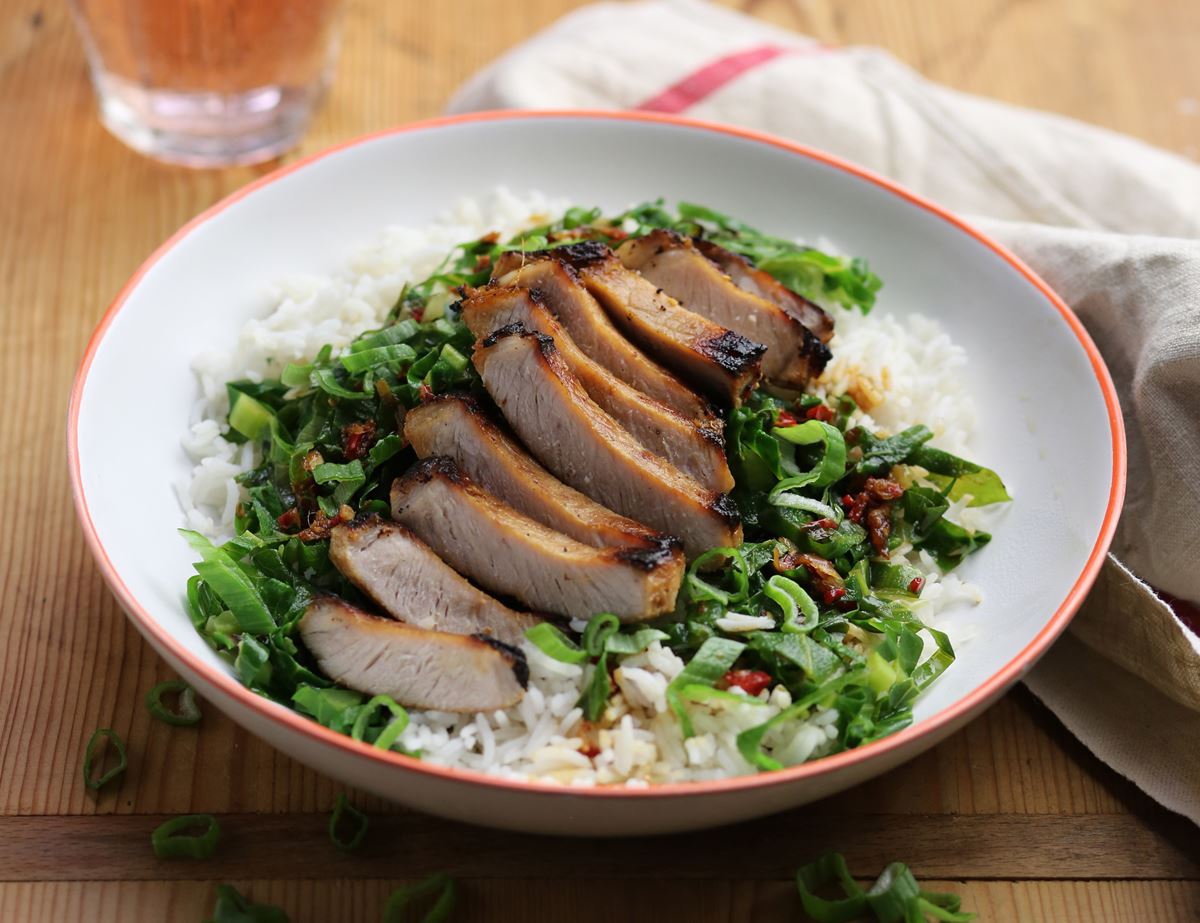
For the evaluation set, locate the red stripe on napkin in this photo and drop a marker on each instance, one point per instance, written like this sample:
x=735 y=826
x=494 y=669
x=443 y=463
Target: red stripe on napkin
x=714 y=75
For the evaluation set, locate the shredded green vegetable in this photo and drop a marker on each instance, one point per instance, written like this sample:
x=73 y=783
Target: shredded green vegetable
x=112 y=739
x=824 y=502
x=171 y=840
x=345 y=814
x=186 y=713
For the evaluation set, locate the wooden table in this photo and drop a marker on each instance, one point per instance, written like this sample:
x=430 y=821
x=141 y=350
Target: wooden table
x=1012 y=812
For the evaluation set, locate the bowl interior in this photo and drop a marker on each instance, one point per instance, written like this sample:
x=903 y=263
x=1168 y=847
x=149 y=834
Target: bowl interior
x=1043 y=418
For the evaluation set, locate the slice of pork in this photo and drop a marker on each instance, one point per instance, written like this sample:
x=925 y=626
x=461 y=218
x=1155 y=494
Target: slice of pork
x=412 y=584
x=504 y=550
x=572 y=436
x=416 y=667
x=672 y=262
x=720 y=362
x=695 y=449
x=455 y=425
x=584 y=319
x=747 y=276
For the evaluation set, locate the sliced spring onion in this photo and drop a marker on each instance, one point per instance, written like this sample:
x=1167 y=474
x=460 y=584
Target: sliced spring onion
x=594 y=642
x=599 y=629
x=635 y=643
x=895 y=897
x=360 y=361
x=453 y=358
x=554 y=644
x=389 y=336
x=344 y=810
x=232 y=907
x=402 y=899
x=894 y=890
x=832 y=465
x=597 y=691
x=815 y=876
x=296 y=376
x=171 y=842
x=794 y=601
x=333 y=707
x=249 y=417
x=186 y=713
x=391 y=731
x=253 y=663
x=881 y=673
x=108 y=735
x=805 y=504
x=698 y=692
x=715 y=658
x=702 y=589
x=436 y=306
x=940 y=906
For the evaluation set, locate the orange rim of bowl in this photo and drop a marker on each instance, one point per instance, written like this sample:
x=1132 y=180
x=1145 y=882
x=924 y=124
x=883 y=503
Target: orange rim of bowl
x=319 y=734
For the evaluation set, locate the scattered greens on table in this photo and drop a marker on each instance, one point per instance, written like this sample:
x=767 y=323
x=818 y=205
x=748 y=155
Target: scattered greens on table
x=345 y=815
x=190 y=836
x=846 y=635
x=101 y=740
x=436 y=895
x=895 y=897
x=186 y=712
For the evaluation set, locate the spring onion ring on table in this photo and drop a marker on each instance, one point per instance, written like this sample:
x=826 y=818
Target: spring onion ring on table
x=812 y=621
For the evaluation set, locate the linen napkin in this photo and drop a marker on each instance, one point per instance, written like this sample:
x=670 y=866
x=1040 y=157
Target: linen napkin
x=1105 y=219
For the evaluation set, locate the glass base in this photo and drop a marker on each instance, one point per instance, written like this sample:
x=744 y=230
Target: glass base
x=206 y=129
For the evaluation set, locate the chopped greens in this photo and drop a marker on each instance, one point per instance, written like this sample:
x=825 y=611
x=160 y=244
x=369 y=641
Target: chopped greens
x=186 y=712
x=171 y=839
x=233 y=907
x=895 y=897
x=438 y=889
x=825 y=504
x=109 y=737
x=347 y=815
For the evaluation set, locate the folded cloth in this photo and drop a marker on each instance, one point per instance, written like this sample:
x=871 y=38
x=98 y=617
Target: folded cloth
x=1103 y=218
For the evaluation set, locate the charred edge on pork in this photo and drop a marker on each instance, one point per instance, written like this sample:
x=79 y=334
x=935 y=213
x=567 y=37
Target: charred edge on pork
x=520 y=666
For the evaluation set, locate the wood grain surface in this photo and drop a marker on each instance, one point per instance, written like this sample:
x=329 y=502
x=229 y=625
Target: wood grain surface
x=1011 y=812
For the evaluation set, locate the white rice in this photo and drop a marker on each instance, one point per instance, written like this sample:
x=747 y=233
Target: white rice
x=902 y=369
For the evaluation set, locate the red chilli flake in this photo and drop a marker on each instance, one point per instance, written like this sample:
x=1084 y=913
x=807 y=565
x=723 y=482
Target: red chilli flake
x=751 y=682
x=819 y=412
x=290 y=519
x=916 y=585
x=424 y=392
x=832 y=594
x=785 y=418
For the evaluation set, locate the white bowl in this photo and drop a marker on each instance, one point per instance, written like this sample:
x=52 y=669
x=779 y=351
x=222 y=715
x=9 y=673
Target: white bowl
x=1049 y=416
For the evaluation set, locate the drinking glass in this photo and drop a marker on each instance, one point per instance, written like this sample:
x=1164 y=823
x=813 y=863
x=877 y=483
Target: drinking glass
x=209 y=82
